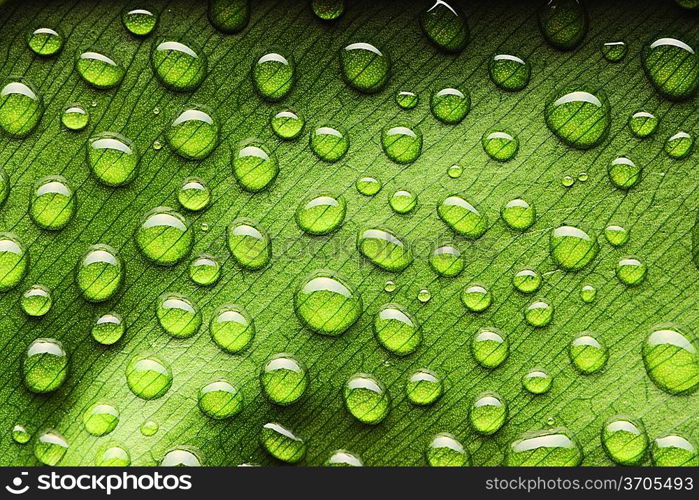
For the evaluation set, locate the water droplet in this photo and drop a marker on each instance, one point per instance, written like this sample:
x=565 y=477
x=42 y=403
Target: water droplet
x=164 y=237
x=450 y=105
x=193 y=134
x=488 y=413
x=282 y=444
x=204 y=270
x=583 y=176
x=631 y=271
x=455 y=171
x=624 y=173
x=447 y=261
x=20 y=434
x=445 y=26
x=326 y=304
x=52 y=203
x=624 y=440
x=588 y=293
x=139 y=22
x=402 y=201
x=587 y=354
x=220 y=399
x=100 y=419
x=329 y=142
x=343 y=458
x=36 y=301
x=273 y=76
x=500 y=145
x=671 y=359
x=568 y=181
x=181 y=456
x=424 y=296
x=424 y=387
x=445 y=451
x=673 y=450
x=368 y=186
x=679 y=145
x=490 y=347
x=45 y=365
x=643 y=123
x=148 y=377
x=232 y=328
x=328 y=10
x=579 y=118
x=406 y=99
x=396 y=330
x=462 y=217
x=384 y=249
x=14 y=261
x=614 y=51
x=50 y=447
x=21 y=108
x=509 y=72
x=518 y=214
x=616 y=235
x=537 y=381
x=389 y=286
x=113 y=158
x=178 y=315
x=672 y=66
x=254 y=166
x=402 y=143
x=157 y=145
x=555 y=447
x=229 y=16
x=527 y=281
x=75 y=117
x=99 y=70
x=178 y=66
x=108 y=329
x=149 y=428
x=366 y=398
x=194 y=194
x=99 y=273
x=284 y=379
x=321 y=214
x=572 y=248
x=287 y=124
x=250 y=245
x=112 y=455
x=539 y=313
x=45 y=42
x=476 y=298
x=563 y=23
x=364 y=67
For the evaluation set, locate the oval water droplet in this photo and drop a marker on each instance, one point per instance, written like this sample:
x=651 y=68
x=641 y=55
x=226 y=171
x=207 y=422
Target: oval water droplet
x=178 y=66
x=326 y=304
x=232 y=328
x=587 y=353
x=99 y=273
x=343 y=458
x=220 y=400
x=250 y=245
x=672 y=66
x=178 y=315
x=20 y=434
x=406 y=99
x=490 y=347
x=625 y=440
x=488 y=413
x=108 y=328
x=446 y=451
x=539 y=313
x=36 y=301
x=631 y=271
x=50 y=447
x=75 y=117
x=450 y=105
x=112 y=158
x=139 y=22
x=287 y=124
x=563 y=23
x=52 y=203
x=624 y=173
x=455 y=171
x=384 y=249
x=193 y=133
x=284 y=379
x=282 y=444
x=100 y=419
x=149 y=428
x=518 y=214
x=424 y=387
x=45 y=365
x=616 y=235
x=112 y=455
x=254 y=166
x=148 y=377
x=45 y=42
x=527 y=281
x=572 y=248
x=329 y=142
x=500 y=145
x=671 y=358
x=181 y=456
x=402 y=143
x=537 y=381
x=365 y=67
x=204 y=270
x=555 y=447
x=229 y=16
x=588 y=293
x=164 y=237
x=674 y=450
x=194 y=194
x=476 y=298
x=99 y=70
x=14 y=261
x=273 y=76
x=366 y=398
x=402 y=201
x=445 y=26
x=579 y=118
x=679 y=145
x=396 y=330
x=368 y=186
x=447 y=261
x=21 y=108
x=462 y=217
x=509 y=72
x=321 y=214
x=643 y=123
x=614 y=51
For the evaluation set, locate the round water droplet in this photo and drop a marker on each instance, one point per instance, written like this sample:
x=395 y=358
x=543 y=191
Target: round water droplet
x=631 y=271
x=284 y=379
x=366 y=398
x=21 y=108
x=326 y=304
x=450 y=105
x=447 y=261
x=99 y=273
x=624 y=173
x=406 y=99
x=194 y=194
x=671 y=359
x=527 y=281
x=20 y=434
x=490 y=347
x=45 y=41
x=14 y=261
x=232 y=328
x=112 y=455
x=445 y=451
x=563 y=23
x=328 y=10
x=476 y=298
x=282 y=444
x=204 y=270
x=164 y=237
x=509 y=72
x=402 y=201
x=384 y=249
x=462 y=217
x=75 y=117
x=518 y=214
x=36 y=301
x=181 y=456
x=50 y=447
x=368 y=186
x=100 y=419
x=178 y=315
x=390 y=286
x=616 y=235
x=148 y=377
x=396 y=330
x=572 y=248
x=99 y=70
x=108 y=329
x=588 y=293
x=625 y=440
x=250 y=245
x=445 y=26
x=424 y=387
x=364 y=67
x=539 y=313
x=673 y=450
x=424 y=296
x=321 y=214
x=455 y=171
x=402 y=144
x=343 y=458
x=287 y=124
x=149 y=428
x=579 y=118
x=113 y=158
x=587 y=354
x=672 y=66
x=568 y=181
x=220 y=399
x=273 y=76
x=614 y=51
x=643 y=123
x=139 y=22
x=45 y=365
x=52 y=203
x=178 y=66
x=679 y=146
x=229 y=16
x=555 y=447
x=537 y=381
x=254 y=166
x=583 y=176
x=500 y=145
x=488 y=413
x=193 y=134
x=329 y=142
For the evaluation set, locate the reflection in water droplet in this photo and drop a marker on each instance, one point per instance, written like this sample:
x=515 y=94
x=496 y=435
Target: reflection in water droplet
x=406 y=99
x=232 y=328
x=527 y=280
x=113 y=158
x=194 y=194
x=384 y=249
x=555 y=447
x=220 y=400
x=672 y=66
x=52 y=203
x=329 y=142
x=100 y=419
x=75 y=117
x=139 y=22
x=229 y=16
x=99 y=70
x=579 y=118
x=462 y=217
x=537 y=381
x=20 y=434
x=509 y=72
x=282 y=444
x=178 y=315
x=321 y=214
x=21 y=108
x=396 y=330
x=328 y=10
x=193 y=133
x=250 y=245
x=490 y=347
x=204 y=270
x=424 y=387
x=572 y=248
x=445 y=26
x=182 y=456
x=36 y=301
x=148 y=377
x=368 y=186
x=614 y=51
x=45 y=42
x=631 y=271
x=447 y=261
x=476 y=298
x=50 y=447
x=643 y=123
x=450 y=105
x=108 y=328
x=624 y=173
x=616 y=235
x=343 y=458
x=588 y=293
x=402 y=143
x=254 y=166
x=563 y=23
x=679 y=145
x=674 y=450
x=45 y=365
x=488 y=413
x=500 y=145
x=518 y=214
x=273 y=76
x=287 y=124
x=539 y=313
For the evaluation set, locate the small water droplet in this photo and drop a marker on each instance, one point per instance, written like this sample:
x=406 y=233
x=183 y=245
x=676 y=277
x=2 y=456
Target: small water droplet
x=45 y=42
x=321 y=214
x=99 y=273
x=14 y=261
x=45 y=365
x=445 y=26
x=232 y=328
x=455 y=171
x=284 y=379
x=99 y=70
x=100 y=419
x=384 y=249
x=36 y=301
x=113 y=158
x=450 y=105
x=53 y=203
x=389 y=286
x=445 y=451
x=368 y=186
x=21 y=108
x=182 y=456
x=329 y=142
x=583 y=176
x=424 y=387
x=587 y=353
x=249 y=244
x=326 y=304
x=537 y=381
x=164 y=237
x=563 y=23
x=500 y=145
x=679 y=145
x=402 y=201
x=539 y=313
x=20 y=434
x=365 y=67
x=282 y=444
x=148 y=377
x=139 y=22
x=112 y=455
x=178 y=66
x=366 y=398
x=488 y=413
x=194 y=194
x=518 y=214
x=674 y=450
x=406 y=99
x=75 y=117
x=509 y=72
x=229 y=16
x=424 y=296
x=108 y=328
x=447 y=261
x=643 y=123
x=149 y=428
x=287 y=124
x=402 y=143
x=588 y=293
x=614 y=51
x=624 y=173
x=273 y=76
x=631 y=271
x=254 y=166
x=220 y=400
x=490 y=347
x=343 y=458
x=568 y=181
x=204 y=270
x=476 y=298
x=527 y=281
x=178 y=315
x=572 y=248
x=328 y=10
x=157 y=145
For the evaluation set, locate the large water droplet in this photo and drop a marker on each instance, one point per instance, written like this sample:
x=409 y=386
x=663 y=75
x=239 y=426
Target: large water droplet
x=500 y=145
x=555 y=447
x=396 y=330
x=488 y=413
x=282 y=444
x=679 y=145
x=232 y=328
x=424 y=387
x=588 y=354
x=476 y=297
x=178 y=66
x=50 y=447
x=447 y=261
x=326 y=304
x=563 y=23
x=402 y=143
x=113 y=158
x=220 y=399
x=164 y=237
x=45 y=365
x=99 y=70
x=99 y=273
x=509 y=72
x=366 y=398
x=579 y=118
x=45 y=41
x=193 y=134
x=364 y=67
x=52 y=203
x=572 y=248
x=148 y=377
x=672 y=66
x=36 y=301
x=624 y=440
x=445 y=26
x=539 y=313
x=673 y=450
x=287 y=124
x=284 y=379
x=446 y=451
x=384 y=249
x=671 y=359
x=100 y=419
x=273 y=76
x=450 y=105
x=329 y=142
x=250 y=245
x=254 y=166
x=178 y=315
x=462 y=217
x=643 y=123
x=490 y=347
x=21 y=108
x=321 y=214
